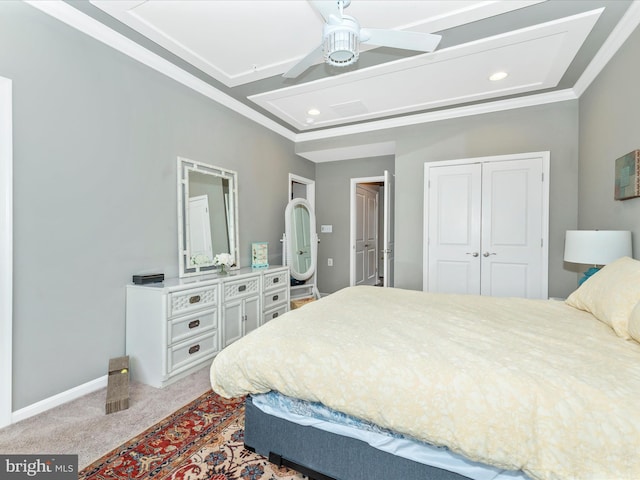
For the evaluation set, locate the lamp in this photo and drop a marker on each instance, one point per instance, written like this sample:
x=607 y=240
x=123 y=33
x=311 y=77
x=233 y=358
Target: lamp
x=596 y=247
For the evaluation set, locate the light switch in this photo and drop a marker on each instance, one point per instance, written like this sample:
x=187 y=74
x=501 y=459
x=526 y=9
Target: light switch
x=326 y=228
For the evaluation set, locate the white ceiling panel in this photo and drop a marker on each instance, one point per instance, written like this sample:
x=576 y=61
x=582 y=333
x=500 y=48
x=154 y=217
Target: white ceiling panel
x=534 y=57
x=243 y=41
x=233 y=41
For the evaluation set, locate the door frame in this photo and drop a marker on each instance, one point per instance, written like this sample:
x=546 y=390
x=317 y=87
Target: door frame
x=352 y=222
x=311 y=188
x=6 y=251
x=388 y=246
x=545 y=156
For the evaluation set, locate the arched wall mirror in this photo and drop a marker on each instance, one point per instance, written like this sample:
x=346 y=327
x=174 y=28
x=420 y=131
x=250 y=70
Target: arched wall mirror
x=301 y=244
x=207 y=216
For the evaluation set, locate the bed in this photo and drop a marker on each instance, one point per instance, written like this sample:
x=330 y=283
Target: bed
x=506 y=387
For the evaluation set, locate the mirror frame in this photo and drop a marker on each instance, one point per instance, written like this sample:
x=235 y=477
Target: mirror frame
x=185 y=166
x=313 y=239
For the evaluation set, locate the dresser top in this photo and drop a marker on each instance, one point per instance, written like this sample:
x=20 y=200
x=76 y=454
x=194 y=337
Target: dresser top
x=204 y=280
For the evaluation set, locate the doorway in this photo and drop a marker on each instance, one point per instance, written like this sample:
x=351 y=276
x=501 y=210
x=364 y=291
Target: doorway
x=367 y=267
x=371 y=220
x=6 y=251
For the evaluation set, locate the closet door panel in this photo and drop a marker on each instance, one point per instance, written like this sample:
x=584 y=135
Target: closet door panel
x=454 y=229
x=507 y=279
x=512 y=228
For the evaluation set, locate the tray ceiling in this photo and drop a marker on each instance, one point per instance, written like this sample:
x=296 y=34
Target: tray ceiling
x=243 y=47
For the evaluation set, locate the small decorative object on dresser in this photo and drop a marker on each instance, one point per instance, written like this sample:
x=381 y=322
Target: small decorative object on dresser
x=223 y=261
x=628 y=176
x=149 y=278
x=260 y=254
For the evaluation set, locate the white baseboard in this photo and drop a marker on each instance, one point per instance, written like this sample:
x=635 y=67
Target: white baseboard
x=59 y=399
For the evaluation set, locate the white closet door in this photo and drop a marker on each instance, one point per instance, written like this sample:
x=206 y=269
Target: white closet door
x=454 y=216
x=512 y=228
x=486 y=229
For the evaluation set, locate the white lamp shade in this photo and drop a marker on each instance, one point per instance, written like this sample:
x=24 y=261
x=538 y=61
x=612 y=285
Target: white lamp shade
x=596 y=247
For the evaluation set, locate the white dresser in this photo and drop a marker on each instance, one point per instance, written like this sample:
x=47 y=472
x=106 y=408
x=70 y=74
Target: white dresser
x=175 y=327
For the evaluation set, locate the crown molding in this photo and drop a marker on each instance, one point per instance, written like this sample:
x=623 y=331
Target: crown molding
x=428 y=117
x=624 y=28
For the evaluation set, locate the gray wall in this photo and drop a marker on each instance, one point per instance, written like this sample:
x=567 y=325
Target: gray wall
x=333 y=186
x=548 y=127
x=551 y=127
x=610 y=128
x=96 y=136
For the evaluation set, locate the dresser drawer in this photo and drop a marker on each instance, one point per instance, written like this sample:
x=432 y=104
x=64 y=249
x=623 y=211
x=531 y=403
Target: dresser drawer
x=275 y=280
x=241 y=288
x=274 y=314
x=193 y=299
x=186 y=354
x=274 y=298
x=192 y=325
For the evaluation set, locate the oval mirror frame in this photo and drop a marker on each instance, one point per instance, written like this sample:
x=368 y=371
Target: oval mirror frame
x=294 y=249
x=192 y=178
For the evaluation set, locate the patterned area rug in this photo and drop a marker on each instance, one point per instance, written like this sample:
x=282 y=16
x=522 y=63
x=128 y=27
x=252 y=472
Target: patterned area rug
x=203 y=440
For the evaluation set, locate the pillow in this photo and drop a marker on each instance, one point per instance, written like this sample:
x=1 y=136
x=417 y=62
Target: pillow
x=634 y=323
x=611 y=294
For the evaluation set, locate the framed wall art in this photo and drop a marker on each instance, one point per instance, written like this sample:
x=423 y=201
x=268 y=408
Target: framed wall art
x=627 y=177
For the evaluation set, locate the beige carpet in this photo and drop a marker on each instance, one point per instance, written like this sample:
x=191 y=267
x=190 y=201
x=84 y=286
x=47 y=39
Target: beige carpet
x=81 y=426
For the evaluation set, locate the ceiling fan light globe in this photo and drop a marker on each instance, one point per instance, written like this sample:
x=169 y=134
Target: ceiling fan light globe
x=341 y=48
x=341 y=42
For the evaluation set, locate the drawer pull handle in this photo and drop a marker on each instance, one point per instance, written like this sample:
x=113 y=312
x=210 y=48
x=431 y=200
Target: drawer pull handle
x=194 y=299
x=274 y=298
x=274 y=315
x=194 y=324
x=276 y=280
x=194 y=349
x=242 y=288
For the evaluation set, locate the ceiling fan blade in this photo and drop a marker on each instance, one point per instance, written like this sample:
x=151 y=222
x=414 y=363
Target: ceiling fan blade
x=327 y=8
x=305 y=63
x=422 y=42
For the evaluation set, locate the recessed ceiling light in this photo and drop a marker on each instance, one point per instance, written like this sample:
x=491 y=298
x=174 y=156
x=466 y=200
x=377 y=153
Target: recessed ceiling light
x=498 y=76
x=313 y=111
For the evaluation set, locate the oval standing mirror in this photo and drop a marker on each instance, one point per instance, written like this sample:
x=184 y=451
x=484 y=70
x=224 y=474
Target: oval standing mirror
x=207 y=216
x=301 y=239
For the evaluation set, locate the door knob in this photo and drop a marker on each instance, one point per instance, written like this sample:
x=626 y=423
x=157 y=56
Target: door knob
x=486 y=254
x=474 y=254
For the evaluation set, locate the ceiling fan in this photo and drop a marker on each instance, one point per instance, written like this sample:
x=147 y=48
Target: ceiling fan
x=342 y=36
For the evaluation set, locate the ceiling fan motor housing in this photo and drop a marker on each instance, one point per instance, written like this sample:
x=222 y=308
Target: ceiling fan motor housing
x=341 y=43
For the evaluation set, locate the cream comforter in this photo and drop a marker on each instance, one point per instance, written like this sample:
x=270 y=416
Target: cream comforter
x=522 y=384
